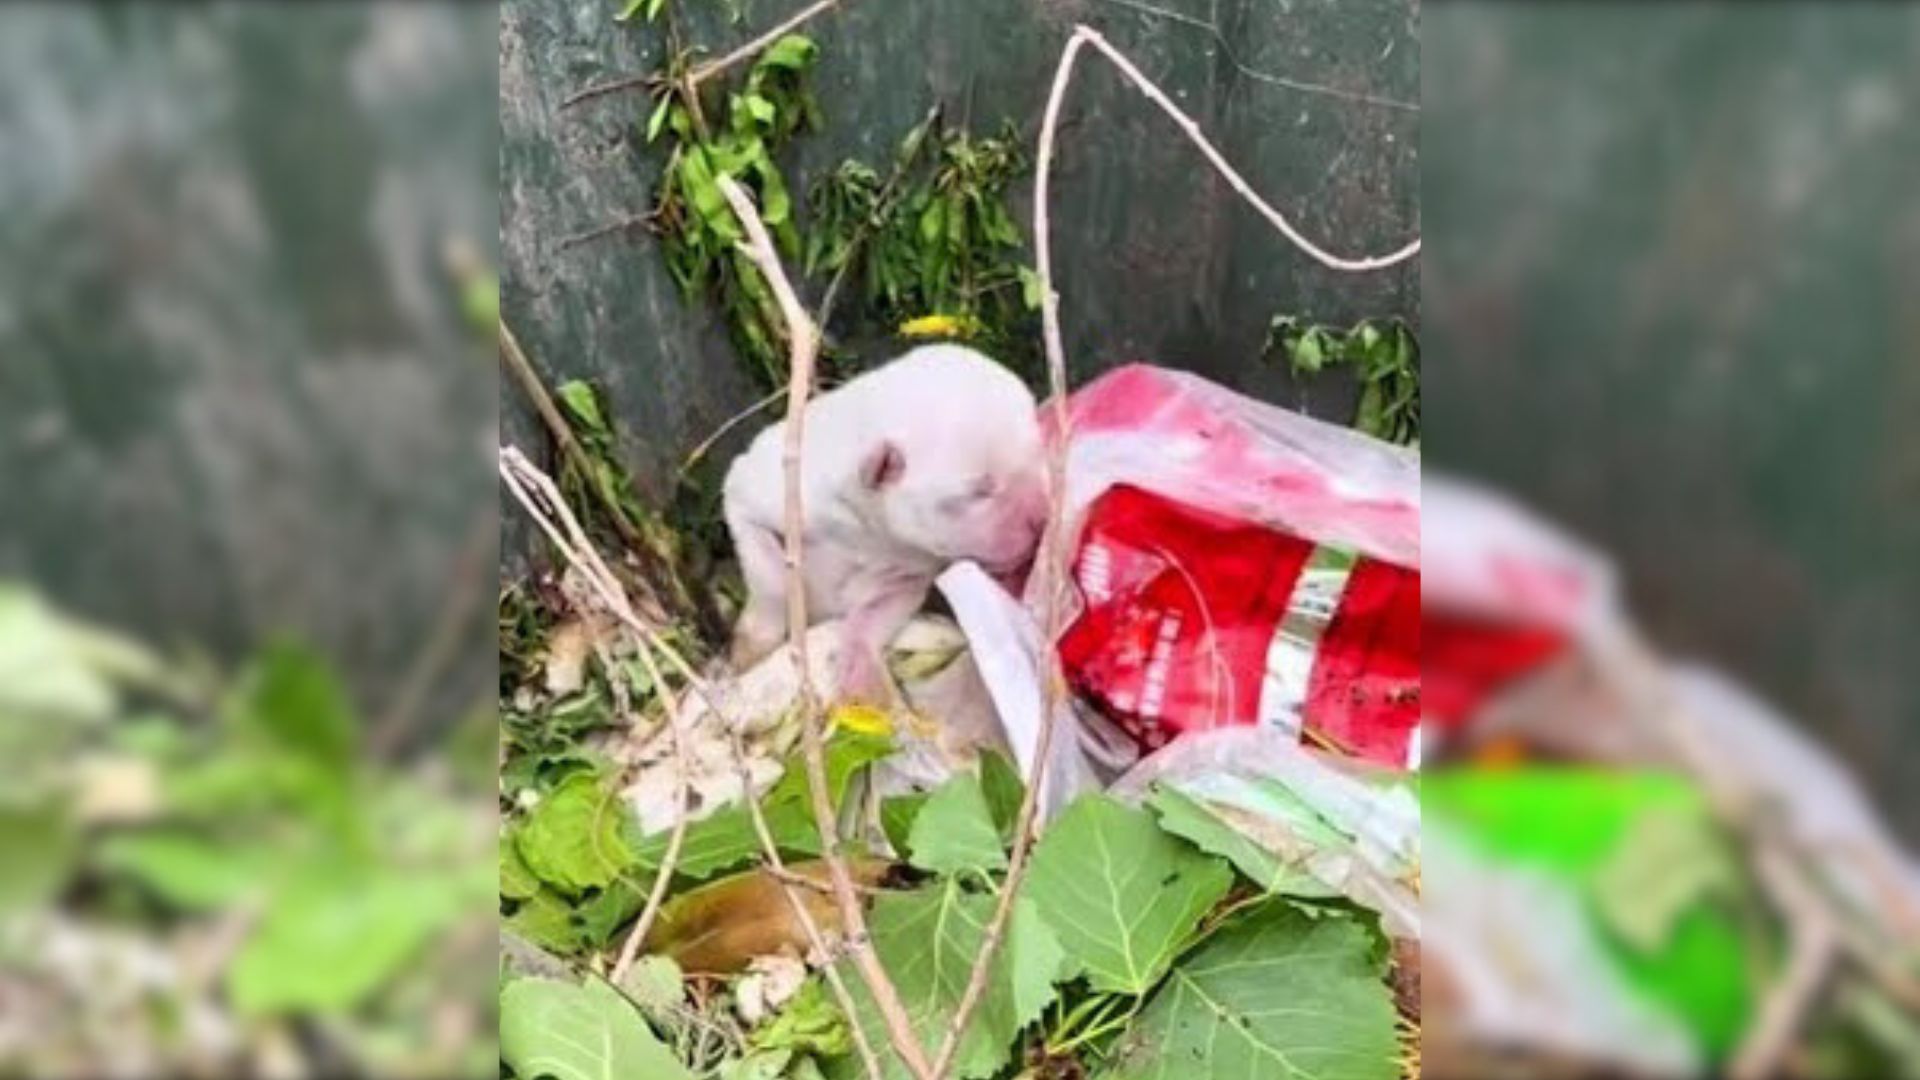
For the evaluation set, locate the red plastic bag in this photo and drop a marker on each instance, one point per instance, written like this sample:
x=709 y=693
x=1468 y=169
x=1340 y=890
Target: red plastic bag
x=1239 y=564
x=1195 y=621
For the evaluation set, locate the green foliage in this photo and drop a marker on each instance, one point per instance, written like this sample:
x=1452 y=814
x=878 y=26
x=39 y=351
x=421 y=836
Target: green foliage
x=928 y=940
x=811 y=1023
x=1123 y=895
x=573 y=839
x=1192 y=821
x=726 y=840
x=566 y=1031
x=1385 y=358
x=954 y=831
x=1275 y=993
x=933 y=239
x=698 y=230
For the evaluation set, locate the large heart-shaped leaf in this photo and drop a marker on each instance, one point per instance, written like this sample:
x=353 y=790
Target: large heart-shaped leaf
x=1190 y=818
x=554 y=1030
x=1122 y=894
x=1276 y=994
x=928 y=940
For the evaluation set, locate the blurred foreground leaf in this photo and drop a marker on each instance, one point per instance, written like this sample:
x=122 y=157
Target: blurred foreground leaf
x=550 y=1028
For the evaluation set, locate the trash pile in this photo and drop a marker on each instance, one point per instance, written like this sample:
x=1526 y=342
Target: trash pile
x=1639 y=868
x=1227 y=876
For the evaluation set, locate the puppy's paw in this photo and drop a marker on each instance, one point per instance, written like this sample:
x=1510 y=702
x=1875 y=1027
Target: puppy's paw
x=859 y=677
x=754 y=639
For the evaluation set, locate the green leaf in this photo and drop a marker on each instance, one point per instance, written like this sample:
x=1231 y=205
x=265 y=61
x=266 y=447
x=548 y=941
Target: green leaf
x=559 y=1030
x=38 y=847
x=658 y=120
x=757 y=107
x=1123 y=895
x=628 y=12
x=792 y=53
x=579 y=399
x=1000 y=783
x=291 y=696
x=190 y=871
x=928 y=941
x=546 y=920
x=1275 y=994
x=1032 y=289
x=336 y=935
x=517 y=882
x=726 y=839
x=1190 y=819
x=897 y=816
x=574 y=838
x=955 y=830
x=810 y=1023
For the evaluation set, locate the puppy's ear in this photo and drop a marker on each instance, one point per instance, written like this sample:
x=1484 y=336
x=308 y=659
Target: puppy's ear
x=883 y=466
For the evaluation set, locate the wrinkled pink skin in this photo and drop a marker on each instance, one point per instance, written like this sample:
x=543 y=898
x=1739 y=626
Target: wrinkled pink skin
x=932 y=459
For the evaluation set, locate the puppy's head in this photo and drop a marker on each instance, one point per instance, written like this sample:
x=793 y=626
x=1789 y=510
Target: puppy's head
x=962 y=474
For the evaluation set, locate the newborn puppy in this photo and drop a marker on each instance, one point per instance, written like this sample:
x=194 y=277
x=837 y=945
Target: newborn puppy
x=933 y=458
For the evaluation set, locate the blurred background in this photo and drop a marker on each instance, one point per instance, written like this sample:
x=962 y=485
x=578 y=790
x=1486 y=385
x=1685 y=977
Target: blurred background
x=1673 y=253
x=246 y=404
x=1671 y=277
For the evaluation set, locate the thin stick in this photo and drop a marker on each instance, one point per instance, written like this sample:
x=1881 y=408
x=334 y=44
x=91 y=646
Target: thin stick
x=611 y=86
x=1815 y=946
x=1087 y=35
x=1051 y=570
x=753 y=48
x=803 y=345
x=707 y=70
x=570 y=449
x=519 y=474
x=734 y=421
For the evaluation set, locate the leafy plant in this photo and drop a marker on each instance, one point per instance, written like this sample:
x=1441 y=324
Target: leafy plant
x=1385 y=358
x=698 y=231
x=932 y=250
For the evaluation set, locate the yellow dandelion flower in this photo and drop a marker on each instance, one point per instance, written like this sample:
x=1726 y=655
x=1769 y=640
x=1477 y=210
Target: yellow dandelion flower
x=862 y=719
x=938 y=326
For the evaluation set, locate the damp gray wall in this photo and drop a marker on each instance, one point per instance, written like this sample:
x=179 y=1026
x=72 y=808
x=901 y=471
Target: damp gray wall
x=237 y=395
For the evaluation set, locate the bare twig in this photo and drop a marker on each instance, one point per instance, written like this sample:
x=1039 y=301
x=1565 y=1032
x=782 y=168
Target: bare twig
x=611 y=86
x=771 y=860
x=1815 y=945
x=734 y=421
x=520 y=475
x=707 y=70
x=1239 y=184
x=753 y=48
x=1051 y=570
x=803 y=345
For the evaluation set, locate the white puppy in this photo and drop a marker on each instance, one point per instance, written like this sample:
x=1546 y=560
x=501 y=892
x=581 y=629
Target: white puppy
x=933 y=458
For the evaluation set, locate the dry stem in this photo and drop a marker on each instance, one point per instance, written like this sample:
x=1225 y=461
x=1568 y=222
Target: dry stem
x=753 y=48
x=709 y=69
x=1087 y=35
x=519 y=475
x=803 y=345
